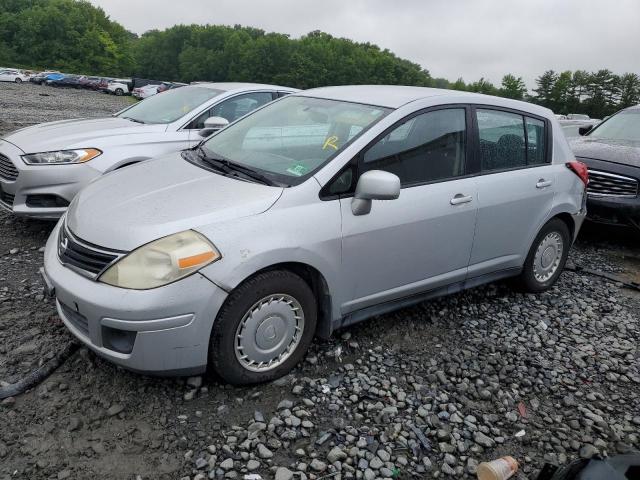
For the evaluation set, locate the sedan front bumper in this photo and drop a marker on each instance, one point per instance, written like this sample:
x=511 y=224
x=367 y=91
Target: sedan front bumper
x=39 y=191
x=161 y=331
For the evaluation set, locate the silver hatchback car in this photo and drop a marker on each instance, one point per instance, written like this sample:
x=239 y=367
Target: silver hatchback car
x=42 y=167
x=312 y=213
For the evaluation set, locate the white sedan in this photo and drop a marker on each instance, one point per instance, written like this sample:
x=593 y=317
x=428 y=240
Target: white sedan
x=146 y=91
x=10 y=75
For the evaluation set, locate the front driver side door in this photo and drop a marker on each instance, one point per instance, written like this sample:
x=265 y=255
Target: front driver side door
x=423 y=239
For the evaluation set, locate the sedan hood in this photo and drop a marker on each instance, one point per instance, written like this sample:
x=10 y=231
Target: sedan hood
x=78 y=133
x=133 y=206
x=625 y=152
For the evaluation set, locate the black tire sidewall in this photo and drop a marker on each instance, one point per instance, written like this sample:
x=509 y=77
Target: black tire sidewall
x=528 y=280
x=222 y=344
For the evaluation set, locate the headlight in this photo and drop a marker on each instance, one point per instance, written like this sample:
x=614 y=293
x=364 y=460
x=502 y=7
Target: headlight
x=62 y=157
x=162 y=261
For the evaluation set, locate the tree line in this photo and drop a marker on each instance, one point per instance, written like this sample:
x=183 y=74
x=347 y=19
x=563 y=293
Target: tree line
x=75 y=36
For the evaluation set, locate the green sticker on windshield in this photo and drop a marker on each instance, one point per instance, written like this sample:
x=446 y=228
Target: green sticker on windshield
x=298 y=170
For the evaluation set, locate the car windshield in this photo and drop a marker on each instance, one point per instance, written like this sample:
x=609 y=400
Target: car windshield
x=170 y=107
x=292 y=138
x=623 y=126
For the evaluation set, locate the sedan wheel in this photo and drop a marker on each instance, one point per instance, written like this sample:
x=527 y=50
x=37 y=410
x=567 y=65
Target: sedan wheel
x=263 y=329
x=18 y=80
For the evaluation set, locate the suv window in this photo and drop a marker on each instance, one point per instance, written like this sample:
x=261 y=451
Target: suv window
x=233 y=108
x=428 y=147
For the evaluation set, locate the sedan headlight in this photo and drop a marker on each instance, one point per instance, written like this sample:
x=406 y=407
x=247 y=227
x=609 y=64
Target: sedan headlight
x=62 y=157
x=162 y=261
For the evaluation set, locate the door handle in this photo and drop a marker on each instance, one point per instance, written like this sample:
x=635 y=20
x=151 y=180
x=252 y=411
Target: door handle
x=542 y=183
x=460 y=198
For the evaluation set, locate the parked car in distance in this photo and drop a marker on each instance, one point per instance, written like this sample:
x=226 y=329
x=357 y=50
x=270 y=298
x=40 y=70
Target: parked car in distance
x=578 y=116
x=312 y=213
x=163 y=87
x=146 y=91
x=12 y=75
x=117 y=87
x=64 y=81
x=42 y=167
x=41 y=78
x=611 y=150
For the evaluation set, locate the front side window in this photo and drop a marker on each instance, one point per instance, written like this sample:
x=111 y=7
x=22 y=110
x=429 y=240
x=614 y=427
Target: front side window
x=293 y=137
x=233 y=108
x=426 y=148
x=170 y=106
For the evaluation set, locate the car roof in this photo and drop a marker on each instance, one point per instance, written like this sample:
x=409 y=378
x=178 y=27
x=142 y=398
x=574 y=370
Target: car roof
x=229 y=86
x=395 y=96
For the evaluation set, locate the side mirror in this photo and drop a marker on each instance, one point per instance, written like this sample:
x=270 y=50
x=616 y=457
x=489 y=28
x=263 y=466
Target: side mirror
x=213 y=124
x=374 y=185
x=585 y=129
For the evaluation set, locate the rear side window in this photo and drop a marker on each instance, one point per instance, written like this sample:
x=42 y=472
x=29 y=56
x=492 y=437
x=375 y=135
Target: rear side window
x=536 y=141
x=426 y=148
x=509 y=140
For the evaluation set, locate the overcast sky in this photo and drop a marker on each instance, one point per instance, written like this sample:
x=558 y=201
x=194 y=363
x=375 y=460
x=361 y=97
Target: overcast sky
x=450 y=38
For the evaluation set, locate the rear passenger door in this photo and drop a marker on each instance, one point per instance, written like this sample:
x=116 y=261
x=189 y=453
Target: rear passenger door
x=515 y=186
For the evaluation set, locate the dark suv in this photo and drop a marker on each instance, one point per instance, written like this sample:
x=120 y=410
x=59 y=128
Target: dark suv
x=611 y=150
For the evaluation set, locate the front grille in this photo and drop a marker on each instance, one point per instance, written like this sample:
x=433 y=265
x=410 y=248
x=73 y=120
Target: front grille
x=6 y=197
x=82 y=255
x=605 y=184
x=77 y=319
x=8 y=170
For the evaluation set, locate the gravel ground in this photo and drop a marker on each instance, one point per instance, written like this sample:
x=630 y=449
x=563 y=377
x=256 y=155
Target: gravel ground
x=425 y=392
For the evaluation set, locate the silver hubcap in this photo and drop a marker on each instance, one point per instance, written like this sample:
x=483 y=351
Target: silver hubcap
x=269 y=332
x=547 y=257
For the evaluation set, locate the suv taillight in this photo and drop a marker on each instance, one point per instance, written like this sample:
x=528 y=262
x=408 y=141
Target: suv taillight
x=580 y=169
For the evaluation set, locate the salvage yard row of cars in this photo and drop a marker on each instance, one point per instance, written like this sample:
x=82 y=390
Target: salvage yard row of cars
x=139 y=88
x=226 y=225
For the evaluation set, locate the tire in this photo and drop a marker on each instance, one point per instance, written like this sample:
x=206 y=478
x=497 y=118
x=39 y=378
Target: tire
x=119 y=92
x=262 y=292
x=18 y=80
x=539 y=273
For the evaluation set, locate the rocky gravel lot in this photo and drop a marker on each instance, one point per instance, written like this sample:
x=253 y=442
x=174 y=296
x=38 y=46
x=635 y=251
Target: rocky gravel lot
x=426 y=392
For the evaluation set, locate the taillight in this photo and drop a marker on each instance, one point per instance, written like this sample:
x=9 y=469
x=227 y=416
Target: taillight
x=580 y=169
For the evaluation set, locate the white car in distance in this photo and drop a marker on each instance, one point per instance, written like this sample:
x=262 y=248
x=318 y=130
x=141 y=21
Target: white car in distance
x=11 y=75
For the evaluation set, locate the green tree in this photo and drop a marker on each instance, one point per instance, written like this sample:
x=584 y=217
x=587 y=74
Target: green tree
x=544 y=92
x=513 y=87
x=629 y=90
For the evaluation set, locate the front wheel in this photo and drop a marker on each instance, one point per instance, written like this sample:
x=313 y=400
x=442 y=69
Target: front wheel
x=546 y=258
x=263 y=329
x=18 y=80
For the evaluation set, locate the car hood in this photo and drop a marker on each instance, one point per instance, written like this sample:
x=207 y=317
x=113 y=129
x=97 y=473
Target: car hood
x=133 y=206
x=78 y=133
x=625 y=152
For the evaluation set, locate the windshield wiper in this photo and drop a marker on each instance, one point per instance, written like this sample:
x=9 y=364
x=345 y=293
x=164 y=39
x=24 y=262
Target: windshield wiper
x=227 y=166
x=133 y=119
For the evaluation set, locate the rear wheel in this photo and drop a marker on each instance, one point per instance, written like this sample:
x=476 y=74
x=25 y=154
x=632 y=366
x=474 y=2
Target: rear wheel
x=119 y=92
x=547 y=257
x=263 y=329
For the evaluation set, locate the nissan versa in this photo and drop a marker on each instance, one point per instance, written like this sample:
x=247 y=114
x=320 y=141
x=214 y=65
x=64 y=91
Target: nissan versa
x=44 y=166
x=313 y=212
